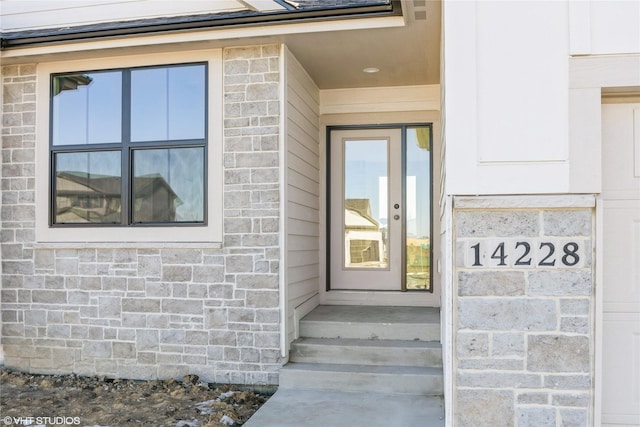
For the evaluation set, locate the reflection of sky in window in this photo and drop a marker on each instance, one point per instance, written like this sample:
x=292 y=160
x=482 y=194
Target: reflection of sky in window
x=365 y=162
x=167 y=103
x=418 y=187
x=89 y=114
x=183 y=170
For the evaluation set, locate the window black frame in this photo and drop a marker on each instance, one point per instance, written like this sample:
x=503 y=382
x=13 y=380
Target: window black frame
x=126 y=148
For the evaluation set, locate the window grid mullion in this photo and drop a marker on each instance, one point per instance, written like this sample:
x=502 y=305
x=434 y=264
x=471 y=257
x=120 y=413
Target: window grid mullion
x=126 y=144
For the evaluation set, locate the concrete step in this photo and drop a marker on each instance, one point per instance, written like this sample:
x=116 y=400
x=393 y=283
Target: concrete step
x=362 y=378
x=366 y=352
x=372 y=322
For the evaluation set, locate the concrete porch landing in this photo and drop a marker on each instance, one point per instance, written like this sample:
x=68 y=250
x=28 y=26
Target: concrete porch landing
x=320 y=408
x=362 y=366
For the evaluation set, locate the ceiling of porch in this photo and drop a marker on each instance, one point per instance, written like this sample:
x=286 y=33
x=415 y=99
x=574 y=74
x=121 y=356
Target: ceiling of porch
x=408 y=55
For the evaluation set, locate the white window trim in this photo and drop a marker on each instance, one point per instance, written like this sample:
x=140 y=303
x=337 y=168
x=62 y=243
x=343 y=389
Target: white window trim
x=211 y=233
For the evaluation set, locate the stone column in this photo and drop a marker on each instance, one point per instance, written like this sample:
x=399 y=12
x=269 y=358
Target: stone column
x=523 y=298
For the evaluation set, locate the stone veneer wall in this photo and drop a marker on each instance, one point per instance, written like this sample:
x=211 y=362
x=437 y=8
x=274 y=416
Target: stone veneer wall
x=524 y=335
x=151 y=311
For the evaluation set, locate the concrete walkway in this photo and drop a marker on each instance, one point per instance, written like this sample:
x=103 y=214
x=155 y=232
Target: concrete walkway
x=317 y=408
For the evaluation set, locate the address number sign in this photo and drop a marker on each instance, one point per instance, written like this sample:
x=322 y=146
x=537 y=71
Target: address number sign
x=524 y=253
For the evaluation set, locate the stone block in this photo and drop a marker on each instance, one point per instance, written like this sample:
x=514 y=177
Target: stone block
x=140 y=372
x=579 y=400
x=480 y=379
x=236 y=53
x=124 y=350
x=257 y=281
x=242 y=315
x=507 y=314
x=172 y=336
x=90 y=283
x=222 y=338
x=196 y=338
x=504 y=223
x=109 y=307
x=262 y=299
x=507 y=344
x=533 y=398
x=35 y=317
x=49 y=296
x=177 y=273
x=560 y=283
x=575 y=306
x=147 y=340
x=182 y=306
x=536 y=417
x=239 y=264
x=58 y=331
x=578 y=325
x=574 y=222
x=484 y=408
x=260 y=240
x=141 y=305
x=573 y=417
x=96 y=349
x=208 y=273
x=181 y=256
x=472 y=344
x=491 y=283
x=237 y=199
x=502 y=364
x=66 y=266
x=263 y=91
x=267 y=339
x=558 y=353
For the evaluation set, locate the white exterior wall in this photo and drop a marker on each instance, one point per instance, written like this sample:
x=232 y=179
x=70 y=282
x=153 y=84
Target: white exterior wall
x=506 y=97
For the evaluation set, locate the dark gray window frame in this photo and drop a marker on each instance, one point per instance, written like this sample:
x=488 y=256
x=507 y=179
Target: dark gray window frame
x=126 y=147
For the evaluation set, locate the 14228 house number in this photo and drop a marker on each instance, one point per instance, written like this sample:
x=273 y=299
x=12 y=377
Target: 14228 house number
x=525 y=253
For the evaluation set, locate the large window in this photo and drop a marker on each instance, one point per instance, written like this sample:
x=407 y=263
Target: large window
x=129 y=147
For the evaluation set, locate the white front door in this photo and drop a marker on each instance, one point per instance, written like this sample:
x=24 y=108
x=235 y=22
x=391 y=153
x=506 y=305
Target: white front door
x=380 y=203
x=621 y=271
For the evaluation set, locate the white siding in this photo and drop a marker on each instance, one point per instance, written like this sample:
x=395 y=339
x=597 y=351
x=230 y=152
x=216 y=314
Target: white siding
x=26 y=15
x=604 y=27
x=302 y=213
x=506 y=96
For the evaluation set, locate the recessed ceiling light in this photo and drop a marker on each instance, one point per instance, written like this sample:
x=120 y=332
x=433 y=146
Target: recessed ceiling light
x=371 y=70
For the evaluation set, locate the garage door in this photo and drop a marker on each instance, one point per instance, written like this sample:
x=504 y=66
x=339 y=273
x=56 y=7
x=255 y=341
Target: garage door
x=621 y=248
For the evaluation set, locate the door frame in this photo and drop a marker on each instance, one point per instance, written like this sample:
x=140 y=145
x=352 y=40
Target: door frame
x=388 y=298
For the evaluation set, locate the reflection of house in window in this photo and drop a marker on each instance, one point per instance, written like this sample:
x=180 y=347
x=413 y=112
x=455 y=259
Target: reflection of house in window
x=364 y=238
x=154 y=200
x=82 y=198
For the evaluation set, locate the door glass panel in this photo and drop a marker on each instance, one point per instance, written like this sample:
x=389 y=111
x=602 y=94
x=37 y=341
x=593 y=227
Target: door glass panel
x=418 y=208
x=366 y=203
